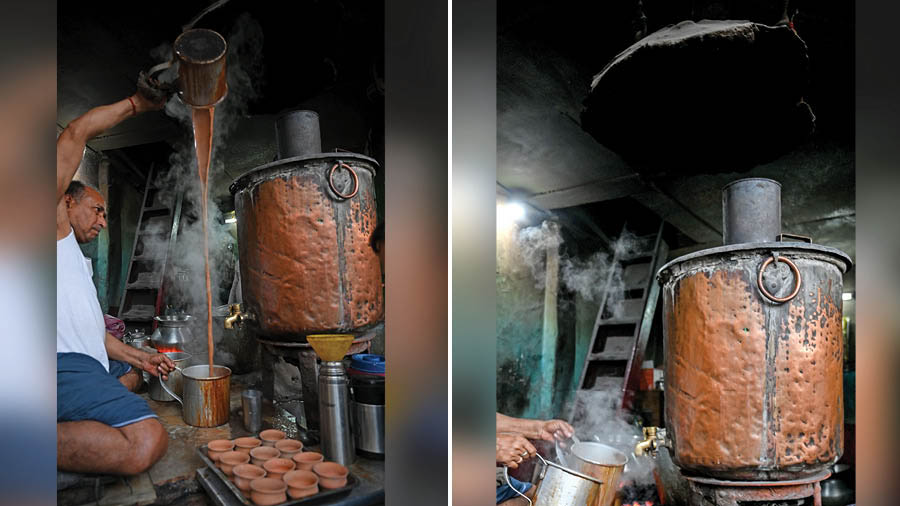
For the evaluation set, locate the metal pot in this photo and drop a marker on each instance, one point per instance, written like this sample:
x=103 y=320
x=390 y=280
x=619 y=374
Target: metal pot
x=835 y=491
x=207 y=398
x=201 y=71
x=304 y=225
x=367 y=414
x=752 y=338
x=171 y=333
x=137 y=339
x=156 y=391
x=592 y=478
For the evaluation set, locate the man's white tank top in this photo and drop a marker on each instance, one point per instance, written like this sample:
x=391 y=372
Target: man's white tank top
x=80 y=327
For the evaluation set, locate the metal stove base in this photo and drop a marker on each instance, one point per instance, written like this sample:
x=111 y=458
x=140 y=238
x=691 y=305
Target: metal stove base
x=712 y=492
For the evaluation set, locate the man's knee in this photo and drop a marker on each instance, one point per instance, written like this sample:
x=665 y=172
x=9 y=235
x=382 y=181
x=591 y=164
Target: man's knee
x=131 y=379
x=149 y=442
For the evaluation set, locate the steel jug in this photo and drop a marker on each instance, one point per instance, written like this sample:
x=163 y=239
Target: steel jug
x=592 y=478
x=201 y=82
x=171 y=333
x=174 y=381
x=206 y=399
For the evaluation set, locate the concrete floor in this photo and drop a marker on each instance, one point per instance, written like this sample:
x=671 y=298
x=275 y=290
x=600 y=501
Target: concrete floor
x=172 y=480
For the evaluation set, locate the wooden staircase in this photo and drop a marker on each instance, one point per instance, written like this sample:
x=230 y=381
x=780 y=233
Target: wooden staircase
x=156 y=233
x=622 y=326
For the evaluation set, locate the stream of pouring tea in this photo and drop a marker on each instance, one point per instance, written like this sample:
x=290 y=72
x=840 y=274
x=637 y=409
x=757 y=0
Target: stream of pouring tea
x=203 y=134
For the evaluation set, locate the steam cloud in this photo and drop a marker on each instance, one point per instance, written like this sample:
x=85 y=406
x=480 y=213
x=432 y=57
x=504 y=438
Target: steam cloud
x=187 y=275
x=590 y=278
x=600 y=419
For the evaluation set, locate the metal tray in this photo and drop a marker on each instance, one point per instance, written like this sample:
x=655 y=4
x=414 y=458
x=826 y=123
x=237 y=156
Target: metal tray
x=323 y=494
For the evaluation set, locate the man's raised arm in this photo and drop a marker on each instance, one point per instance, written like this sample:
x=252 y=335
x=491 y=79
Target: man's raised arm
x=71 y=142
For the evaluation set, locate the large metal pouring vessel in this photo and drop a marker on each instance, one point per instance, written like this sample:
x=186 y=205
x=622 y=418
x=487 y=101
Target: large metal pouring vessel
x=206 y=398
x=753 y=353
x=591 y=478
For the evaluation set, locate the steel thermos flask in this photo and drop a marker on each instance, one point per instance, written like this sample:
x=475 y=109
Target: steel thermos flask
x=334 y=412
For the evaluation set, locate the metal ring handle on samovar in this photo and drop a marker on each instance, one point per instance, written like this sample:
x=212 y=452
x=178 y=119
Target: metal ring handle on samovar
x=170 y=392
x=762 y=288
x=334 y=188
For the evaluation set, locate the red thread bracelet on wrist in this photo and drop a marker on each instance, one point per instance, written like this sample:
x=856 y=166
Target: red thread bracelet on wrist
x=133 y=107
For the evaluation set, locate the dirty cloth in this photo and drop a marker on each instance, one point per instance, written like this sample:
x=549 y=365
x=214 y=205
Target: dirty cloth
x=504 y=492
x=114 y=326
x=85 y=391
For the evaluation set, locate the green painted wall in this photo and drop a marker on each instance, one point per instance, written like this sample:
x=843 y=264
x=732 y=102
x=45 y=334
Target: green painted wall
x=585 y=315
x=520 y=308
x=125 y=202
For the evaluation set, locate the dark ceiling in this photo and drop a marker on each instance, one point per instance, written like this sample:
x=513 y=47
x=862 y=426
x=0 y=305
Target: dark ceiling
x=324 y=55
x=548 y=53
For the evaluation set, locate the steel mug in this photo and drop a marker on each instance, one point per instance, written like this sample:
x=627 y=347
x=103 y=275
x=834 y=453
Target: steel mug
x=251 y=403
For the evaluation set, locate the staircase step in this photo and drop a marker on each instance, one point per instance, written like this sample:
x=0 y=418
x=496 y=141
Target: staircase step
x=625 y=309
x=619 y=321
x=156 y=224
x=605 y=384
x=616 y=348
x=148 y=258
x=139 y=313
x=145 y=281
x=635 y=276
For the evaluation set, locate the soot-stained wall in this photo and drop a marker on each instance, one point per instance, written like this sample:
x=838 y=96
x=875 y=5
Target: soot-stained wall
x=520 y=308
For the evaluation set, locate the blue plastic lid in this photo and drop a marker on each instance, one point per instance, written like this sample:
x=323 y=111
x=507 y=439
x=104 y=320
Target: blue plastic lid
x=367 y=362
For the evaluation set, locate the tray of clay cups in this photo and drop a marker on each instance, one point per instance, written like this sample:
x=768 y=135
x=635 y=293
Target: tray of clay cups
x=271 y=469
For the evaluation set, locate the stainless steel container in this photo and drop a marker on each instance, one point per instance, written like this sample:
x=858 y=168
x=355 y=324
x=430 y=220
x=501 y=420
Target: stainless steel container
x=592 y=479
x=368 y=428
x=207 y=397
x=251 y=406
x=137 y=339
x=367 y=411
x=171 y=333
x=334 y=414
x=174 y=381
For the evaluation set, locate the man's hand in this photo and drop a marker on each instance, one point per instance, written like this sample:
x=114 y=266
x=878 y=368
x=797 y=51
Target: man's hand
x=153 y=92
x=157 y=364
x=144 y=104
x=512 y=449
x=550 y=429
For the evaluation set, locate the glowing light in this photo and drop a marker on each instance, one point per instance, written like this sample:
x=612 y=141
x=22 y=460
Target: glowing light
x=847 y=296
x=230 y=220
x=510 y=212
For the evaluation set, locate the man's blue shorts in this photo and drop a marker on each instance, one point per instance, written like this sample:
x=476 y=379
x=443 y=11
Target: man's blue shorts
x=505 y=493
x=85 y=391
